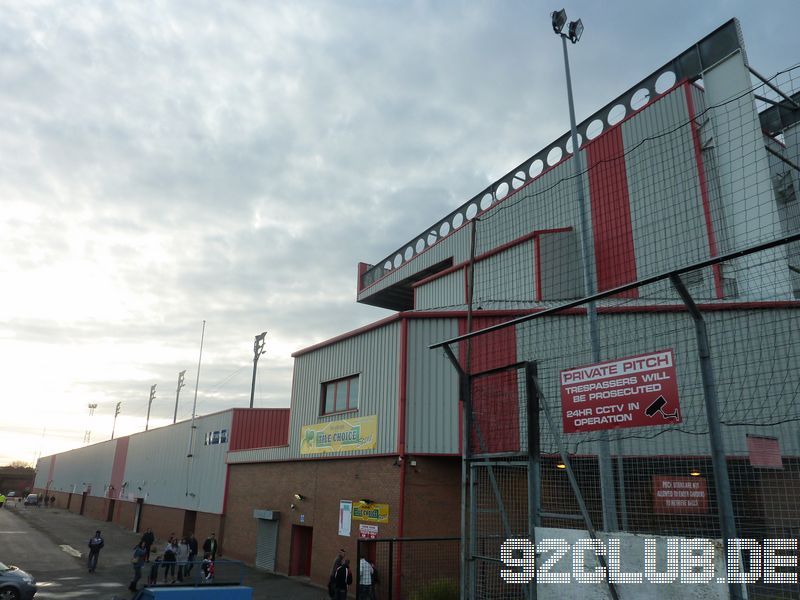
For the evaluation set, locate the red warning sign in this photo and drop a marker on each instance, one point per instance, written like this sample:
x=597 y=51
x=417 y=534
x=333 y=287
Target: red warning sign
x=637 y=391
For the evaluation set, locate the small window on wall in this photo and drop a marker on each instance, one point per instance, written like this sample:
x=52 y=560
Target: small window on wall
x=216 y=437
x=340 y=395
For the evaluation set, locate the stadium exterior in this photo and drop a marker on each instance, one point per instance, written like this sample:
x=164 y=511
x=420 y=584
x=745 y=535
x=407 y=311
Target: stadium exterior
x=680 y=169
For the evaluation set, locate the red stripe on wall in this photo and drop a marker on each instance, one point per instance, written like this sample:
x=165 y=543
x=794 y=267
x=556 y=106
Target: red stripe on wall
x=701 y=175
x=611 y=213
x=118 y=470
x=259 y=428
x=495 y=398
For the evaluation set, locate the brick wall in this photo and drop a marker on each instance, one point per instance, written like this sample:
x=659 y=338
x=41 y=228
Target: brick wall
x=433 y=497
x=163 y=520
x=125 y=514
x=271 y=486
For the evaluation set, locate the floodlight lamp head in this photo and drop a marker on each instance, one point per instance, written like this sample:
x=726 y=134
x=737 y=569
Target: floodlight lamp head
x=559 y=18
x=575 y=31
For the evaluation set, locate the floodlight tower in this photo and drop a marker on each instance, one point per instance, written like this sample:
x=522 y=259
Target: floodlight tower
x=149 y=404
x=116 y=414
x=87 y=437
x=258 y=350
x=607 y=492
x=178 y=394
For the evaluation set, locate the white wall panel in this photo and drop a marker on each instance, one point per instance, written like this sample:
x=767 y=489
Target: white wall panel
x=78 y=470
x=158 y=468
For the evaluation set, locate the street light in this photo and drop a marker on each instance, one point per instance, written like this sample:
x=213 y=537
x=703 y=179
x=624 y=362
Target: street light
x=258 y=350
x=607 y=492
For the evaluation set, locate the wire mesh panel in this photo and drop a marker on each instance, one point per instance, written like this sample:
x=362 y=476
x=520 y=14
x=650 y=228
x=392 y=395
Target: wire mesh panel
x=408 y=568
x=668 y=402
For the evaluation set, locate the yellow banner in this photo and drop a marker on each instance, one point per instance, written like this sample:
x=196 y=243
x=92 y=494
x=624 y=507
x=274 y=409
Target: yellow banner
x=372 y=513
x=339 y=436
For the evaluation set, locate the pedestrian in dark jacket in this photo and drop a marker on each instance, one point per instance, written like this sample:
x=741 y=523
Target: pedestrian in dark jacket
x=170 y=552
x=210 y=546
x=342 y=579
x=148 y=538
x=336 y=564
x=95 y=544
x=192 y=542
x=137 y=562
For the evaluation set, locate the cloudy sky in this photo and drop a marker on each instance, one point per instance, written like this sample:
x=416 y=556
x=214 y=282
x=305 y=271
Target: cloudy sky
x=164 y=163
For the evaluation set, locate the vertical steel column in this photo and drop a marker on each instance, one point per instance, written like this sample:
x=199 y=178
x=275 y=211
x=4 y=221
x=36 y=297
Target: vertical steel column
x=722 y=484
x=466 y=474
x=534 y=466
x=391 y=567
x=606 y=467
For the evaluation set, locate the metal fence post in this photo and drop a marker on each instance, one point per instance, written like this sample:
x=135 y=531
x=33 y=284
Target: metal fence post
x=721 y=482
x=534 y=460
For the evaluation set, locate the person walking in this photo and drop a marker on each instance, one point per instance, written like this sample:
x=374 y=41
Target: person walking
x=210 y=546
x=192 y=542
x=95 y=544
x=170 y=556
x=137 y=561
x=182 y=555
x=365 y=572
x=336 y=564
x=207 y=568
x=149 y=539
x=152 y=579
x=342 y=579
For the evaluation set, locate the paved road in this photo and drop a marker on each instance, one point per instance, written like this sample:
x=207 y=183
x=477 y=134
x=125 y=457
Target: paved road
x=46 y=542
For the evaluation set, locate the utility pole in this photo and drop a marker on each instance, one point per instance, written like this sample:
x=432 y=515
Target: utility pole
x=258 y=350
x=116 y=414
x=178 y=394
x=149 y=404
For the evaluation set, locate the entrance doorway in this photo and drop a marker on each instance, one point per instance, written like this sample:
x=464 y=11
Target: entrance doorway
x=189 y=520
x=110 y=515
x=300 y=561
x=83 y=502
x=137 y=517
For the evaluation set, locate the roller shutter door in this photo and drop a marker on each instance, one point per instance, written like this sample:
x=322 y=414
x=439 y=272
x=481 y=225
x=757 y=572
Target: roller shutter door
x=266 y=544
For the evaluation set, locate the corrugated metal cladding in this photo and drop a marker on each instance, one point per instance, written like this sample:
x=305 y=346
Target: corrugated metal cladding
x=375 y=357
x=561 y=266
x=259 y=428
x=456 y=247
x=43 y=471
x=159 y=470
x=667 y=214
x=432 y=417
x=447 y=291
x=506 y=279
x=756 y=366
x=547 y=202
x=82 y=469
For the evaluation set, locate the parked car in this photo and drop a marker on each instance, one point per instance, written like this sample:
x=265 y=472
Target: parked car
x=11 y=494
x=30 y=500
x=16 y=584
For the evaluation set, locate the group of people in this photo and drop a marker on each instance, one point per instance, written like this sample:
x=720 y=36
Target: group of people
x=178 y=559
x=342 y=577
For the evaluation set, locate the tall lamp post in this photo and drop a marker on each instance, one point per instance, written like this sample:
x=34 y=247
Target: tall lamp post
x=258 y=350
x=607 y=492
